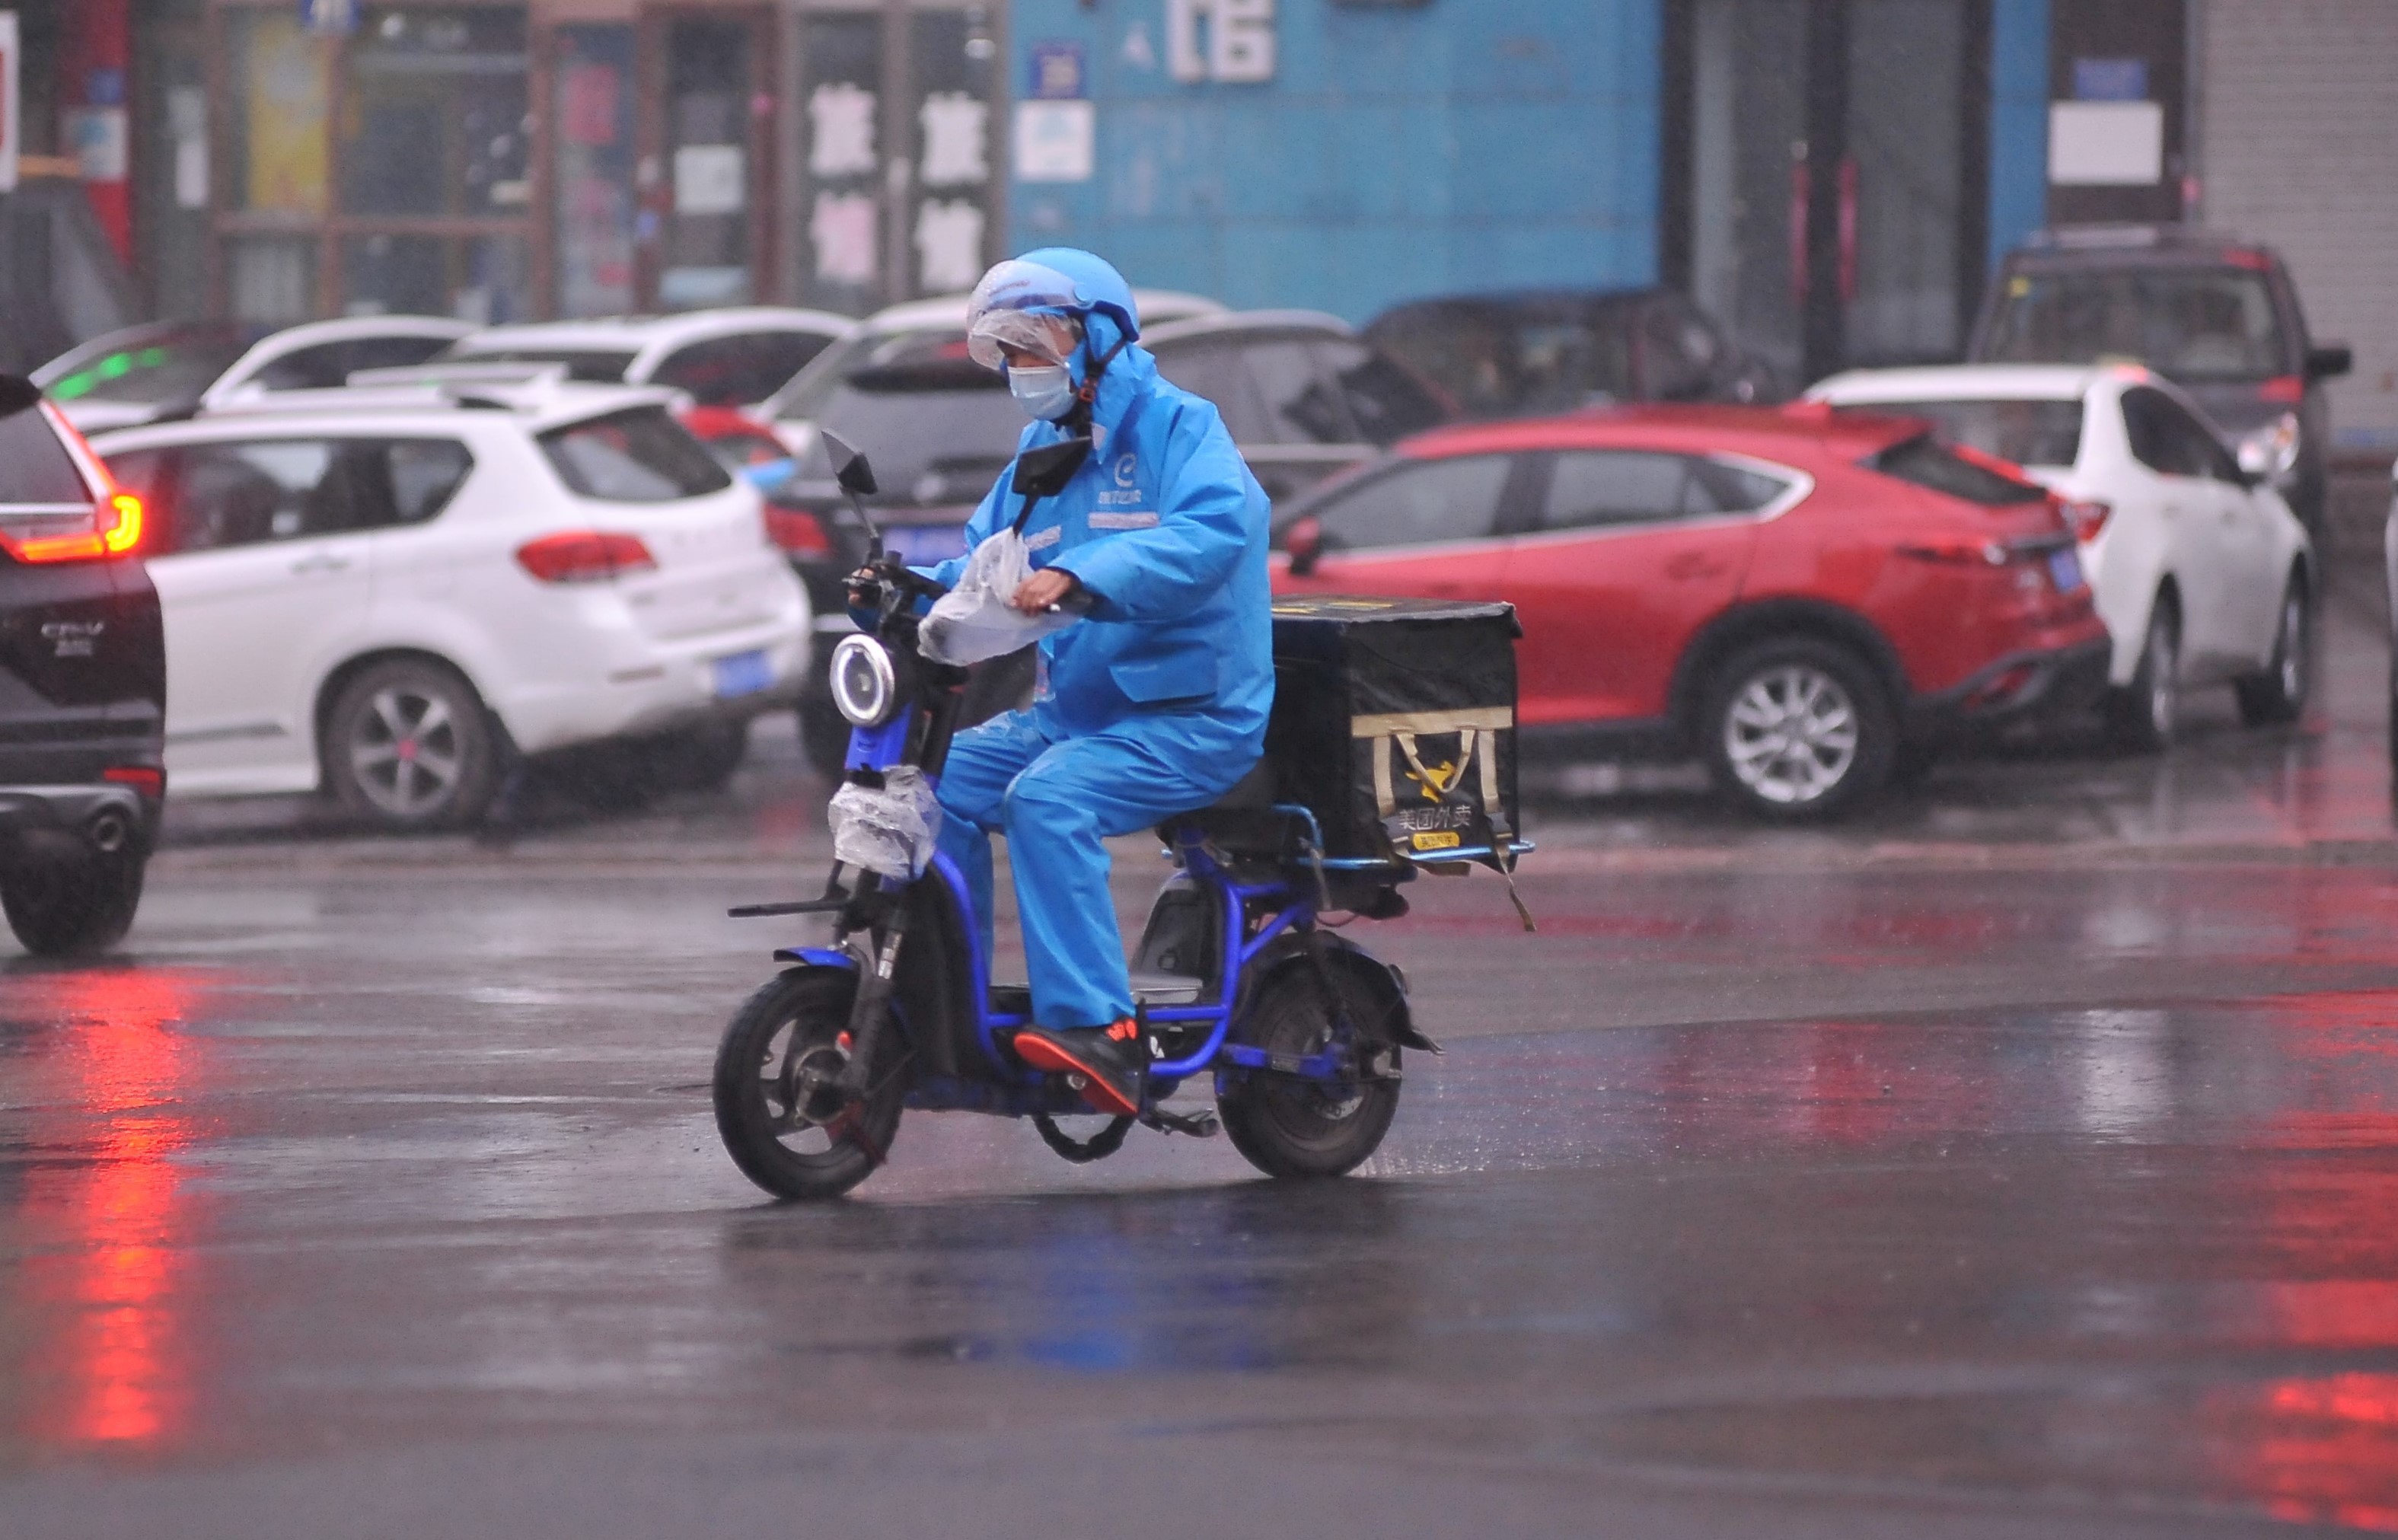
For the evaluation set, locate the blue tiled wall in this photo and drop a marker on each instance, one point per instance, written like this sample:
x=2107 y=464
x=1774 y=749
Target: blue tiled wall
x=1400 y=150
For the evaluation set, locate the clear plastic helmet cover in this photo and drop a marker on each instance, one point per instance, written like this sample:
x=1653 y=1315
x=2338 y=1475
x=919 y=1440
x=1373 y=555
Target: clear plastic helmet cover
x=1024 y=306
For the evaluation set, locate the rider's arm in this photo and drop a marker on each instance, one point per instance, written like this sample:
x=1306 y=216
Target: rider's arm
x=1203 y=512
x=985 y=523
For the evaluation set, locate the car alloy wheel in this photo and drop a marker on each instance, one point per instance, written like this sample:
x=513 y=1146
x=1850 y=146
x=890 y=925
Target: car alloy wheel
x=1791 y=735
x=405 y=752
x=409 y=745
x=2146 y=714
x=2278 y=695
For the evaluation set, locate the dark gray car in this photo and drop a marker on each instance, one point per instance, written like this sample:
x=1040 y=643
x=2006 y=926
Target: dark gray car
x=2218 y=316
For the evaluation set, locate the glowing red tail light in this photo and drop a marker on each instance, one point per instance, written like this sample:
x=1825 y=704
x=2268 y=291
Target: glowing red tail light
x=2085 y=519
x=114 y=528
x=584 y=556
x=797 y=533
x=147 y=780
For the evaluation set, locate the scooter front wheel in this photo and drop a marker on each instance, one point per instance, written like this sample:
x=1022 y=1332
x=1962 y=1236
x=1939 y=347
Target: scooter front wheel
x=776 y=1106
x=1287 y=1127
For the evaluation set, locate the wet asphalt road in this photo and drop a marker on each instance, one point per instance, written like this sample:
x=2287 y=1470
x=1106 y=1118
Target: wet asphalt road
x=2020 y=1163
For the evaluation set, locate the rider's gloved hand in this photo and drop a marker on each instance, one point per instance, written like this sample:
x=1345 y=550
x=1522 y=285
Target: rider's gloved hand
x=865 y=589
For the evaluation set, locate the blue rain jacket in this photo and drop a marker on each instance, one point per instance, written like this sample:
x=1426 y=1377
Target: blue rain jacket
x=1166 y=530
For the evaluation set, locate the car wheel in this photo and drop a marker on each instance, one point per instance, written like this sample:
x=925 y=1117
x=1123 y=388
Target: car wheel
x=2279 y=694
x=702 y=758
x=824 y=733
x=1798 y=729
x=73 y=906
x=408 y=745
x=2146 y=714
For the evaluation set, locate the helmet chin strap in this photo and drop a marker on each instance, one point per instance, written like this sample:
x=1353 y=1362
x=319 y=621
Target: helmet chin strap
x=1077 y=420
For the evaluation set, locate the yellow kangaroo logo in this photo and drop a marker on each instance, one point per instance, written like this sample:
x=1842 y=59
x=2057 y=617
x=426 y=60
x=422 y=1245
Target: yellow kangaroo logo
x=1437 y=779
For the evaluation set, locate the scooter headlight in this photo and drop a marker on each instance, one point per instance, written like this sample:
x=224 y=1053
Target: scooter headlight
x=865 y=687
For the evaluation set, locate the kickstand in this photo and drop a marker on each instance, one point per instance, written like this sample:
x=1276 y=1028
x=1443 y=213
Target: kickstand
x=1198 y=1125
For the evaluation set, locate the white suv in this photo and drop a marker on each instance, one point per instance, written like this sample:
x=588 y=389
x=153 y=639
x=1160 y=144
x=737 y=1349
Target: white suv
x=2199 y=569
x=385 y=593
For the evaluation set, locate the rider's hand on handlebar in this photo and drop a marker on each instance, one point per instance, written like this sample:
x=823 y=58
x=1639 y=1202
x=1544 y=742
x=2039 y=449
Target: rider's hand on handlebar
x=1044 y=591
x=865 y=588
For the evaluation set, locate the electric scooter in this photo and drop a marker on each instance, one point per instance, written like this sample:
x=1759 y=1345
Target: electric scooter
x=1237 y=978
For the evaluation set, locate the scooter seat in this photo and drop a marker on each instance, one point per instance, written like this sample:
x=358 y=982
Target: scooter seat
x=1148 y=989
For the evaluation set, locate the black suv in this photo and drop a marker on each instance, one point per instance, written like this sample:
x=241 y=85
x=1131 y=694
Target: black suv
x=83 y=688
x=2217 y=315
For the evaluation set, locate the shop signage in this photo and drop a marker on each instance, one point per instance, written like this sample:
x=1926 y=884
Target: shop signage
x=1228 y=41
x=7 y=101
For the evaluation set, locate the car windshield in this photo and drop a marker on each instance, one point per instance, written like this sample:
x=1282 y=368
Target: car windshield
x=34 y=466
x=2190 y=323
x=2030 y=433
x=1504 y=363
x=828 y=373
x=162 y=366
x=597 y=366
x=641 y=455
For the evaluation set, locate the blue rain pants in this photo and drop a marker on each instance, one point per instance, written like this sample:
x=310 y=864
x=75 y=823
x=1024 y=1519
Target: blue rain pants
x=1055 y=801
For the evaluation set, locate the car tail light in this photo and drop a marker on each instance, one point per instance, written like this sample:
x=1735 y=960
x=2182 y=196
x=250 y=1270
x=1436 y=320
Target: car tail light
x=2085 y=519
x=147 y=780
x=800 y=533
x=111 y=529
x=584 y=556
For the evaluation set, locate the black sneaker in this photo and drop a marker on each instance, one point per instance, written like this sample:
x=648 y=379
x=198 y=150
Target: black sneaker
x=1107 y=1064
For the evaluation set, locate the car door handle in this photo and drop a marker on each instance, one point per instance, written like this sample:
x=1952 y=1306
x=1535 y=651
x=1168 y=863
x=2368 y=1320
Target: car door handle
x=1694 y=566
x=323 y=561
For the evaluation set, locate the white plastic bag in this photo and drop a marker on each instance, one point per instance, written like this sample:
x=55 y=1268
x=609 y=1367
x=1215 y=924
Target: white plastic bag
x=890 y=829
x=971 y=621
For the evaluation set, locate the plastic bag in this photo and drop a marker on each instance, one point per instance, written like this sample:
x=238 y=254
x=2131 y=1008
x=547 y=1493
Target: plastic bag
x=971 y=621
x=890 y=829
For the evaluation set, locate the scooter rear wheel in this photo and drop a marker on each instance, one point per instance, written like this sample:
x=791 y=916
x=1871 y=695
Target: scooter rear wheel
x=1287 y=1127
x=772 y=1102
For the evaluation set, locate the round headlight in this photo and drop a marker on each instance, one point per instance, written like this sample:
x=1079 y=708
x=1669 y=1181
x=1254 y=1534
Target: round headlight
x=864 y=687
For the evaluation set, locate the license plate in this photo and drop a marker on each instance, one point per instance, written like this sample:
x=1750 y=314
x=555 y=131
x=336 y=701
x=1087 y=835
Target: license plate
x=743 y=674
x=2065 y=570
x=918 y=544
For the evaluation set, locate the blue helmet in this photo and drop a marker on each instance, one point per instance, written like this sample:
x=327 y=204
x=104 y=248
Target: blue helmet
x=1055 y=280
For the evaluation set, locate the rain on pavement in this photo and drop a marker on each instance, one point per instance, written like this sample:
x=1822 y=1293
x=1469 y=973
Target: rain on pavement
x=2019 y=1163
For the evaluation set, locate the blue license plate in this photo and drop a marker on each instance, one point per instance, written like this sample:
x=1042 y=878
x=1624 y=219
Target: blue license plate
x=743 y=674
x=919 y=543
x=2065 y=570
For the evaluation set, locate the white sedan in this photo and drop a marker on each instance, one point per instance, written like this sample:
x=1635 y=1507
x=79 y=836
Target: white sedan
x=733 y=357
x=386 y=592
x=2200 y=570
x=170 y=369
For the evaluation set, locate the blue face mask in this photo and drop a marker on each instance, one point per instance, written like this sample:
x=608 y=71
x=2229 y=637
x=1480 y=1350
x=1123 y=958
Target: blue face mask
x=1044 y=391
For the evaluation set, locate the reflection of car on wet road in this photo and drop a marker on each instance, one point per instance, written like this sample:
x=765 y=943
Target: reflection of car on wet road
x=1522 y=354
x=2218 y=316
x=719 y=358
x=2200 y=570
x=82 y=687
x=172 y=369
x=380 y=592
x=1811 y=603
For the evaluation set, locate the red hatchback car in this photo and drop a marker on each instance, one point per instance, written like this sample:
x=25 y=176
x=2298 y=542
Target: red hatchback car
x=1813 y=603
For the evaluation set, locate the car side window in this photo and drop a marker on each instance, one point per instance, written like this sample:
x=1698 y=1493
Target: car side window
x=2170 y=441
x=1418 y=502
x=1302 y=405
x=1215 y=373
x=387 y=353
x=229 y=494
x=1591 y=489
x=1386 y=403
x=318 y=367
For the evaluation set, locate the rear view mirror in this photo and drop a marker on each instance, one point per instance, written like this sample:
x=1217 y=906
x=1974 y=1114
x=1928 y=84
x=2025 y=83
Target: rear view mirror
x=2330 y=361
x=18 y=394
x=1304 y=541
x=849 y=467
x=1044 y=472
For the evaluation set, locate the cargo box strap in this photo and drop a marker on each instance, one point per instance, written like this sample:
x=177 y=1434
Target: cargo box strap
x=1403 y=727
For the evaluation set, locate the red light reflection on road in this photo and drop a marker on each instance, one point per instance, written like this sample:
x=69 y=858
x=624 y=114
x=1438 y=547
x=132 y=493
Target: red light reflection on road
x=108 y=1221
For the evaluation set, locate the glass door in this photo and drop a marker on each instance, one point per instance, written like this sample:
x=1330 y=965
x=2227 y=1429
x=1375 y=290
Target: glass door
x=706 y=156
x=1834 y=154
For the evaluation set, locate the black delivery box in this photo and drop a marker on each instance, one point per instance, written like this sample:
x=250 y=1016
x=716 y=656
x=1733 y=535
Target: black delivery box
x=1395 y=723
